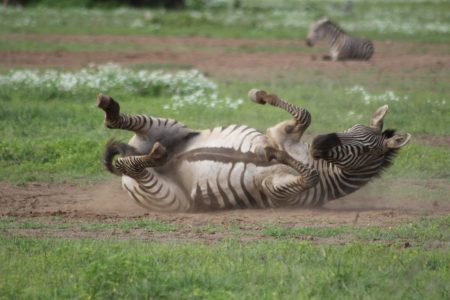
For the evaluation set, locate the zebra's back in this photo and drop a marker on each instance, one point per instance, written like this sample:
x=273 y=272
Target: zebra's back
x=356 y=48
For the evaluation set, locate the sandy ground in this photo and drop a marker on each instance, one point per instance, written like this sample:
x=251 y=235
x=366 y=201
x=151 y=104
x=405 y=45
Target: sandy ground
x=107 y=199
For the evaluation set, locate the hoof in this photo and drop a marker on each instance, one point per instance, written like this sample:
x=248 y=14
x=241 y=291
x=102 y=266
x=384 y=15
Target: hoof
x=257 y=96
x=270 y=153
x=109 y=106
x=103 y=101
x=158 y=152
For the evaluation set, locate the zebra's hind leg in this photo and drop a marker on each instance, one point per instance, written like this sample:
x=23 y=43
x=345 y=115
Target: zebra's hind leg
x=116 y=120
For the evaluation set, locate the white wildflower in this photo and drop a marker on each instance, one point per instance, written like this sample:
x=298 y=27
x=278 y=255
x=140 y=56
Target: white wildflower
x=368 y=98
x=185 y=88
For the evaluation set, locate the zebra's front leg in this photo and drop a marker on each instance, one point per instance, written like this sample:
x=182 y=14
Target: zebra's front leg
x=283 y=183
x=301 y=116
x=135 y=166
x=309 y=175
x=116 y=120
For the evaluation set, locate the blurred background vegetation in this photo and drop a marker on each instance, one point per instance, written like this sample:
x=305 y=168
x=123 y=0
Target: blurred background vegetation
x=171 y=4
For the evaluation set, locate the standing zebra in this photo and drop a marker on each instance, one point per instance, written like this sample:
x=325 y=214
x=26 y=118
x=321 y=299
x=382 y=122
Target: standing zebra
x=342 y=46
x=169 y=167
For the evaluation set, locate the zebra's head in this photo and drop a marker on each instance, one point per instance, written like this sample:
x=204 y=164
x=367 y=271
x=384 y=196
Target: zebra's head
x=319 y=30
x=360 y=147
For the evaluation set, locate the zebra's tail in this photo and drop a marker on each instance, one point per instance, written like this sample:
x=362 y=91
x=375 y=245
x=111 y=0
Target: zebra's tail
x=114 y=148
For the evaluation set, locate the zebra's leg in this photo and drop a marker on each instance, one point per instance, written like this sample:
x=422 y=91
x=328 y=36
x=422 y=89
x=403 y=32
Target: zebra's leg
x=285 y=158
x=338 y=53
x=284 y=183
x=301 y=116
x=134 y=166
x=116 y=120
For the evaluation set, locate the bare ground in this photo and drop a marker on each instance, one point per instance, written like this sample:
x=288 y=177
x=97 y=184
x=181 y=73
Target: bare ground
x=220 y=58
x=106 y=200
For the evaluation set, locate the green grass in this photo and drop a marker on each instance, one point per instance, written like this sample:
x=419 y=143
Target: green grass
x=416 y=232
x=20 y=44
x=127 y=225
x=54 y=136
x=284 y=268
x=385 y=20
x=420 y=233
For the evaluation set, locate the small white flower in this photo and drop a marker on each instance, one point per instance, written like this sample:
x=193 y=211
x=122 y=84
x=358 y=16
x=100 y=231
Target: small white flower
x=184 y=87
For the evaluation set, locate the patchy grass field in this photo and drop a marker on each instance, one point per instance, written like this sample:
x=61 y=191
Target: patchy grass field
x=64 y=220
x=274 y=262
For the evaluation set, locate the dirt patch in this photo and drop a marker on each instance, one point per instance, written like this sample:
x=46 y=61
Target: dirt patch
x=64 y=211
x=216 y=56
x=432 y=140
x=105 y=200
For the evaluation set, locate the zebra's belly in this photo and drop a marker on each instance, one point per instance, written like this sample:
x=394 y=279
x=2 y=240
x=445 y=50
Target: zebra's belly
x=238 y=137
x=226 y=184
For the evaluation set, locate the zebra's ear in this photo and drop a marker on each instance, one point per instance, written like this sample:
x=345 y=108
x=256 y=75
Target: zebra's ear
x=397 y=141
x=378 y=117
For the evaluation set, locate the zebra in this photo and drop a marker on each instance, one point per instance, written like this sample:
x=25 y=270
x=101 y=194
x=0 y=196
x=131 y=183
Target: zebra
x=342 y=46
x=167 y=166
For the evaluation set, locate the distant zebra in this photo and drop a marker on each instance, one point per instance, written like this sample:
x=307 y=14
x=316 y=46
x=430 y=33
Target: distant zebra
x=168 y=167
x=342 y=46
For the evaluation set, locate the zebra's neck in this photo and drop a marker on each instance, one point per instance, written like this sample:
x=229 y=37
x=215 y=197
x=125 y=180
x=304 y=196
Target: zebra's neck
x=335 y=182
x=333 y=33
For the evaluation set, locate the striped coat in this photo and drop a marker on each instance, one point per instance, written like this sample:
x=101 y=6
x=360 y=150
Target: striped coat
x=169 y=167
x=342 y=46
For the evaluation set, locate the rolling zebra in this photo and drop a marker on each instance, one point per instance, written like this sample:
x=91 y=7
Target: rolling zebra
x=342 y=46
x=167 y=166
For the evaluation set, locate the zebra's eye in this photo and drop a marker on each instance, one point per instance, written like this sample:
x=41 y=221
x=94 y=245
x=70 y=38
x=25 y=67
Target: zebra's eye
x=378 y=151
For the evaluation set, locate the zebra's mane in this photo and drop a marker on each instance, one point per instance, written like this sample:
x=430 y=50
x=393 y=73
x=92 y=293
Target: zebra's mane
x=328 y=22
x=391 y=153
